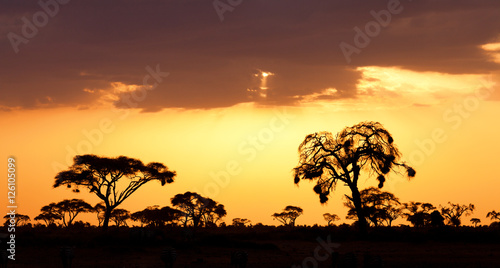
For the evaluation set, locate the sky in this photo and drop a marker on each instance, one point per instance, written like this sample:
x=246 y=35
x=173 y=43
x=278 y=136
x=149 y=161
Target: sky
x=223 y=93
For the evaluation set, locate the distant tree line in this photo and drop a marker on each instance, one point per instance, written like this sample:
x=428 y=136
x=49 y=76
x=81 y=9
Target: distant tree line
x=191 y=209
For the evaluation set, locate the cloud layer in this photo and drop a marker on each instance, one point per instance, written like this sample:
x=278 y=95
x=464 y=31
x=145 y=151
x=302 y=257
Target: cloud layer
x=77 y=53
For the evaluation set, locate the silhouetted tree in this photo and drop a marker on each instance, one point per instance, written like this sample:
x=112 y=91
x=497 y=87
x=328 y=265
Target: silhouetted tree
x=21 y=219
x=70 y=208
x=149 y=216
x=197 y=209
x=120 y=216
x=475 y=221
x=170 y=215
x=49 y=214
x=289 y=215
x=49 y=219
x=437 y=219
x=141 y=217
x=214 y=212
x=378 y=206
x=493 y=215
x=156 y=217
x=105 y=176
x=392 y=213
x=455 y=211
x=331 y=218
x=239 y=222
x=418 y=213
x=66 y=210
x=329 y=159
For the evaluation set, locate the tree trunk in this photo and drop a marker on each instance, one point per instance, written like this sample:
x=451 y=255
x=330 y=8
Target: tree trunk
x=196 y=222
x=107 y=215
x=356 y=199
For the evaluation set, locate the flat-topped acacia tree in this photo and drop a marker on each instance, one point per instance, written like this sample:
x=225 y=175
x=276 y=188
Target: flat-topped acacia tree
x=327 y=159
x=289 y=215
x=66 y=210
x=111 y=179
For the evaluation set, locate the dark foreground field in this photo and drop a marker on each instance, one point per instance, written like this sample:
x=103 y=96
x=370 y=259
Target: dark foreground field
x=266 y=247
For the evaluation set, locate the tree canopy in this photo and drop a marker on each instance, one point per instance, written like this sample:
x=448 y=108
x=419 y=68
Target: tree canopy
x=120 y=216
x=240 y=222
x=49 y=214
x=289 y=215
x=328 y=159
x=331 y=218
x=198 y=210
x=493 y=215
x=111 y=179
x=418 y=213
x=70 y=208
x=454 y=212
x=156 y=217
x=475 y=221
x=379 y=207
x=21 y=219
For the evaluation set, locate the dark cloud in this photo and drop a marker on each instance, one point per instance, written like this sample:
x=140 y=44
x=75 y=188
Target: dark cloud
x=90 y=44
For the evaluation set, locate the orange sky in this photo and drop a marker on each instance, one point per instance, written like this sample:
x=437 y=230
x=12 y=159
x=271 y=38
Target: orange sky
x=260 y=145
x=237 y=94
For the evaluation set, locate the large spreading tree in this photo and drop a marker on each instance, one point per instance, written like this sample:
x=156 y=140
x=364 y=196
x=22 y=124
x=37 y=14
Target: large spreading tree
x=111 y=179
x=328 y=159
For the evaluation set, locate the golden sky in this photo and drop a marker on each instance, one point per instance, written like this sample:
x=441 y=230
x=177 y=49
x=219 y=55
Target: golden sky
x=225 y=103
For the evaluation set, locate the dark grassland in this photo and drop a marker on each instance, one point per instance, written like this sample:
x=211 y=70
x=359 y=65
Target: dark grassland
x=266 y=246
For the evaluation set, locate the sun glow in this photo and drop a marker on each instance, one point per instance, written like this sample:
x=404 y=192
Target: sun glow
x=417 y=87
x=261 y=84
x=265 y=74
x=493 y=49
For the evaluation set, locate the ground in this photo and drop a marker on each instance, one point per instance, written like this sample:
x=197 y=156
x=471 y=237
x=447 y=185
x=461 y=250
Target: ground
x=266 y=247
